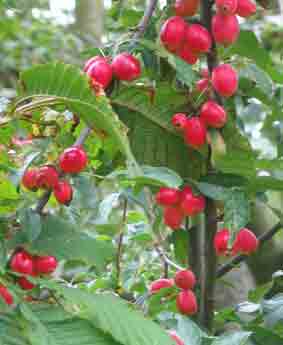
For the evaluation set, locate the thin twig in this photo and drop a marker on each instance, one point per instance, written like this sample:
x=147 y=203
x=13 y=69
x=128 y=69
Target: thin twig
x=145 y=19
x=165 y=259
x=222 y=270
x=120 y=241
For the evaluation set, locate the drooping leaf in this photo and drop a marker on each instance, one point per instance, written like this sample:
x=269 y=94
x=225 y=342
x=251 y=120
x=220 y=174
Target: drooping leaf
x=30 y=223
x=235 y=338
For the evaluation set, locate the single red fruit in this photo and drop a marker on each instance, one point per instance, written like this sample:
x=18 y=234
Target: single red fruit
x=25 y=284
x=179 y=121
x=227 y=7
x=22 y=262
x=174 y=336
x=173 y=33
x=126 y=67
x=47 y=177
x=63 y=192
x=45 y=264
x=186 y=190
x=225 y=80
x=213 y=114
x=225 y=29
x=73 y=160
x=186 y=54
x=220 y=242
x=90 y=61
x=195 y=132
x=198 y=39
x=246 y=8
x=173 y=217
x=185 y=279
x=6 y=295
x=202 y=85
x=29 y=179
x=100 y=73
x=245 y=242
x=186 y=302
x=186 y=8
x=160 y=284
x=192 y=205
x=167 y=196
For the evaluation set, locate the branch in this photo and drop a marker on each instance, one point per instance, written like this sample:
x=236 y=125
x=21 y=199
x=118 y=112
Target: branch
x=166 y=260
x=238 y=259
x=120 y=241
x=145 y=19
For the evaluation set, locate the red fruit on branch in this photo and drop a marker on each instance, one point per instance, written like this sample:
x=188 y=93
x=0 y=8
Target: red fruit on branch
x=192 y=205
x=22 y=262
x=167 y=196
x=29 y=179
x=93 y=59
x=63 y=192
x=25 y=284
x=73 y=160
x=225 y=29
x=213 y=114
x=159 y=284
x=100 y=73
x=225 y=80
x=185 y=279
x=179 y=121
x=174 y=336
x=186 y=8
x=198 y=39
x=246 y=8
x=186 y=54
x=195 y=132
x=220 y=242
x=173 y=33
x=202 y=85
x=45 y=264
x=227 y=7
x=126 y=67
x=173 y=217
x=187 y=303
x=47 y=177
x=6 y=295
x=245 y=242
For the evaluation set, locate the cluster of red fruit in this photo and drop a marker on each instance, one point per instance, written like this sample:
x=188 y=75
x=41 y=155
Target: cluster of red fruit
x=186 y=300
x=72 y=161
x=179 y=204
x=245 y=242
x=124 y=67
x=24 y=263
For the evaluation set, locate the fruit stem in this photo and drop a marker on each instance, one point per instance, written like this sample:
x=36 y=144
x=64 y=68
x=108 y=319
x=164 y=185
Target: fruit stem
x=143 y=24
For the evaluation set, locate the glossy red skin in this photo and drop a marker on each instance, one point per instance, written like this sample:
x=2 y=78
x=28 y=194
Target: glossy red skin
x=47 y=177
x=174 y=336
x=185 y=279
x=186 y=8
x=63 y=192
x=220 y=242
x=167 y=196
x=45 y=264
x=213 y=114
x=25 y=284
x=173 y=217
x=187 y=303
x=195 y=132
x=159 y=284
x=179 y=121
x=225 y=29
x=29 y=179
x=186 y=190
x=6 y=295
x=126 y=67
x=73 y=160
x=192 y=205
x=202 y=85
x=22 y=262
x=225 y=80
x=245 y=242
x=187 y=55
x=100 y=72
x=226 y=7
x=246 y=8
x=93 y=59
x=198 y=39
x=173 y=33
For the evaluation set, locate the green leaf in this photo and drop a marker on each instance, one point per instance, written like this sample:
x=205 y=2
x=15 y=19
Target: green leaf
x=180 y=240
x=114 y=316
x=9 y=197
x=189 y=331
x=30 y=223
x=236 y=338
x=184 y=71
x=61 y=239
